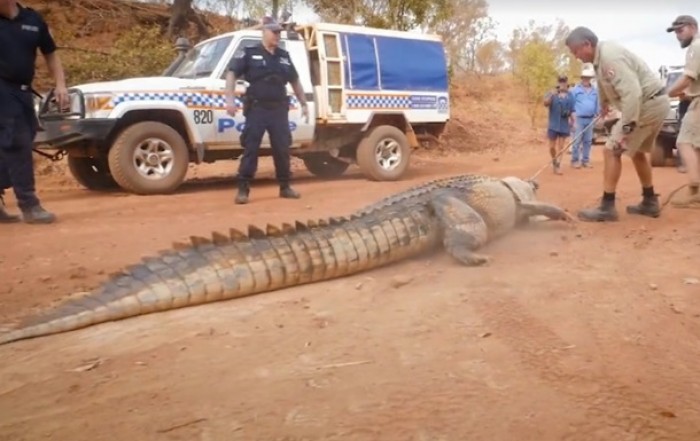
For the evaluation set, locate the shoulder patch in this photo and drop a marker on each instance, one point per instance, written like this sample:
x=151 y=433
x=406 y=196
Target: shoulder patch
x=608 y=72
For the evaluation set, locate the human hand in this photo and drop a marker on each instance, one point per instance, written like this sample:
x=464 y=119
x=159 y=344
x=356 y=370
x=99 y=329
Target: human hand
x=60 y=93
x=305 y=112
x=231 y=109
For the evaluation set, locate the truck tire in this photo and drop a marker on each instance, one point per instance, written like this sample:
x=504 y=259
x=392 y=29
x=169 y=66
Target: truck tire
x=91 y=173
x=149 y=158
x=324 y=165
x=384 y=154
x=662 y=150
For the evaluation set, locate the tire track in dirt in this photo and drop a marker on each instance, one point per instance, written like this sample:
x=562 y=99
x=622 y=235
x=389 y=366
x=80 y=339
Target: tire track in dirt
x=613 y=410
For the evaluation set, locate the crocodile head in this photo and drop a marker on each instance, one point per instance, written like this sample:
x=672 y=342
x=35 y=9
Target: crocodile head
x=524 y=190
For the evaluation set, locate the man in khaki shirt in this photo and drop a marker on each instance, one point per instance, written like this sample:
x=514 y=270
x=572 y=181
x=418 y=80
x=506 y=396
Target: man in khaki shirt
x=626 y=82
x=687 y=87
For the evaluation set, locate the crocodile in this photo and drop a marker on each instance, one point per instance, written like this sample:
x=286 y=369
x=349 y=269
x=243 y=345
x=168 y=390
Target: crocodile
x=462 y=213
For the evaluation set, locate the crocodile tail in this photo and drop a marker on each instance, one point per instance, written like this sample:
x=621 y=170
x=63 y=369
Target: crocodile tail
x=229 y=266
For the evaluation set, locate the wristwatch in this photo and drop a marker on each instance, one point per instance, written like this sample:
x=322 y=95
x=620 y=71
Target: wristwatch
x=628 y=128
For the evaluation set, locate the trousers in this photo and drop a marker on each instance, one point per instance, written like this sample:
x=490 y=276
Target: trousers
x=581 y=149
x=275 y=121
x=18 y=127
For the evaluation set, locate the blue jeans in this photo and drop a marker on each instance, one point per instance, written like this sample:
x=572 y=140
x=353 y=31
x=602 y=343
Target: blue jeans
x=582 y=147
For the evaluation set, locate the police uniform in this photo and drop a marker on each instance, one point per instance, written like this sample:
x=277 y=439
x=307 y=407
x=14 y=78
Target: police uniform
x=19 y=39
x=626 y=82
x=266 y=108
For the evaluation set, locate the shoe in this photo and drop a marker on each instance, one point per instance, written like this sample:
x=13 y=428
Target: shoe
x=648 y=207
x=37 y=215
x=586 y=165
x=575 y=164
x=287 y=192
x=556 y=167
x=5 y=217
x=605 y=212
x=243 y=193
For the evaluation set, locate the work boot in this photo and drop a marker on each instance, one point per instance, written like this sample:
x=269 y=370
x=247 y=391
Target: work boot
x=287 y=192
x=37 y=215
x=243 y=192
x=5 y=217
x=648 y=207
x=690 y=200
x=606 y=211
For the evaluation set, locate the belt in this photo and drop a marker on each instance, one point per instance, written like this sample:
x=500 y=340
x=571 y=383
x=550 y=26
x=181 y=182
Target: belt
x=20 y=86
x=585 y=116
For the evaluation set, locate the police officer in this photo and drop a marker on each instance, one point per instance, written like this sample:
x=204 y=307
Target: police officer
x=687 y=87
x=625 y=81
x=22 y=31
x=268 y=69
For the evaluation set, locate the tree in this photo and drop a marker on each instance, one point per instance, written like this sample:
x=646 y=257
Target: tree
x=490 y=58
x=390 y=14
x=181 y=13
x=535 y=69
x=463 y=26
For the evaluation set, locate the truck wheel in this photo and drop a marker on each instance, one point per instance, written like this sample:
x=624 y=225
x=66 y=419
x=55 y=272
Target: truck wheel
x=91 y=173
x=384 y=154
x=324 y=165
x=149 y=158
x=662 y=150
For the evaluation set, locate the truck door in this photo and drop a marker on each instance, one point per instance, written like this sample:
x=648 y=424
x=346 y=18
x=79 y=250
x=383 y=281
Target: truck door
x=330 y=92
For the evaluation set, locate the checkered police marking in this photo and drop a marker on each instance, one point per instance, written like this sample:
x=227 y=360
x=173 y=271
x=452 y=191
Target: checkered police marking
x=190 y=99
x=378 y=101
x=415 y=102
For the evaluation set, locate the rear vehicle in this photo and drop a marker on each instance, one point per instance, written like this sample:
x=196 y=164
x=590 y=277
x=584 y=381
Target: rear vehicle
x=374 y=95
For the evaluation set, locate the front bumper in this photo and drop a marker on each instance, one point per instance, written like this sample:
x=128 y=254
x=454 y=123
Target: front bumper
x=59 y=133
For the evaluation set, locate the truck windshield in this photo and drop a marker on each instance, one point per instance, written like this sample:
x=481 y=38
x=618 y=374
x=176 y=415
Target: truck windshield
x=201 y=60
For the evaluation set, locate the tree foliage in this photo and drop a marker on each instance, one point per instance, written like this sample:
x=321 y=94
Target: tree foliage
x=401 y=15
x=537 y=54
x=140 y=51
x=535 y=69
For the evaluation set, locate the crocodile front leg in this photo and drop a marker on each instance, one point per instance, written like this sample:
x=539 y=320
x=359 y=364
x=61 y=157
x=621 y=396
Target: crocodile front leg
x=535 y=208
x=463 y=228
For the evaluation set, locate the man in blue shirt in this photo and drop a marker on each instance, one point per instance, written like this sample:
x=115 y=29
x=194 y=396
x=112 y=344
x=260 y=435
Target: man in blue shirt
x=586 y=109
x=561 y=117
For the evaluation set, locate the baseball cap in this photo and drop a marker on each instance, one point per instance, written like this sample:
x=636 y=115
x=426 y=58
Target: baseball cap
x=681 y=21
x=270 y=24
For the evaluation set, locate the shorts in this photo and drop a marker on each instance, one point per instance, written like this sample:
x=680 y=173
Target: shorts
x=689 y=132
x=643 y=137
x=553 y=134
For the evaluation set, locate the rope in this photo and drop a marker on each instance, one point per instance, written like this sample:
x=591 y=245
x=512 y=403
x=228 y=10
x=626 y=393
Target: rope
x=532 y=179
x=564 y=150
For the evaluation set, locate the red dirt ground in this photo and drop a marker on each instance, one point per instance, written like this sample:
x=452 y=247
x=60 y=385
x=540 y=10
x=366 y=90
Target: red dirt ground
x=579 y=332
x=573 y=332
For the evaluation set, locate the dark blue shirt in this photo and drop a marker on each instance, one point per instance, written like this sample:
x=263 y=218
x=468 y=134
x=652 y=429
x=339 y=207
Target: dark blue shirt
x=19 y=40
x=266 y=73
x=559 y=110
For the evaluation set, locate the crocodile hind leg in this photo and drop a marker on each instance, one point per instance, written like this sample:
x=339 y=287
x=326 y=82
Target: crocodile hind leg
x=463 y=228
x=535 y=208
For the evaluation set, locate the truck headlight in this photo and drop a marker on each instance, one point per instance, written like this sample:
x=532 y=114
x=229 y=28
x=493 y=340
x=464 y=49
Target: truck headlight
x=95 y=102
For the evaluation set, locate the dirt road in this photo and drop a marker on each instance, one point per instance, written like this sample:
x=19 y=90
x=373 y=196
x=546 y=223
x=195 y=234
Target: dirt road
x=586 y=333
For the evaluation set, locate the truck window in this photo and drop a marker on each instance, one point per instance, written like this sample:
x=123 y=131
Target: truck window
x=244 y=43
x=202 y=59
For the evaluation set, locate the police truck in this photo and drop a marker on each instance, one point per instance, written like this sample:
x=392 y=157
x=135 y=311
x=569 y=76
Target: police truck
x=374 y=95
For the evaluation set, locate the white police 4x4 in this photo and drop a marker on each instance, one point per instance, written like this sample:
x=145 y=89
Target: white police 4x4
x=373 y=96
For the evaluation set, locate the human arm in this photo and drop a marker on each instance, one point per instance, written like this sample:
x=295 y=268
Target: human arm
x=48 y=48
x=235 y=69
x=548 y=98
x=626 y=84
x=690 y=74
x=298 y=89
